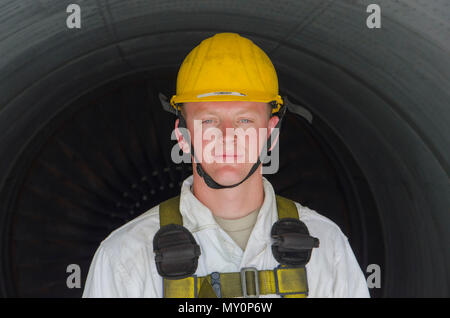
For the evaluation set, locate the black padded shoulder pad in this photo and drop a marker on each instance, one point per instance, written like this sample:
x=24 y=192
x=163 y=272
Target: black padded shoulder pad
x=292 y=244
x=176 y=252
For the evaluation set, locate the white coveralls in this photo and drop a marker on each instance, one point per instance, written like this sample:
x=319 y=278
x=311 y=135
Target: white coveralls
x=124 y=265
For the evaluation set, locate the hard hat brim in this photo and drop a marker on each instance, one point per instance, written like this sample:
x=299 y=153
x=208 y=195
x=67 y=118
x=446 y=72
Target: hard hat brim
x=253 y=97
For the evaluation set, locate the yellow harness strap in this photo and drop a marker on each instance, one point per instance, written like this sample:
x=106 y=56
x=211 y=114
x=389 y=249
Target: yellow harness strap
x=169 y=212
x=285 y=281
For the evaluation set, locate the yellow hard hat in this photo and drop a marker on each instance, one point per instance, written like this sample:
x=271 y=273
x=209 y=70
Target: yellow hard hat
x=227 y=67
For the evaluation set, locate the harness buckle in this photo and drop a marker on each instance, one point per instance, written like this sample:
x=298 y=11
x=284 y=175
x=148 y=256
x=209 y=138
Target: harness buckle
x=244 y=282
x=283 y=280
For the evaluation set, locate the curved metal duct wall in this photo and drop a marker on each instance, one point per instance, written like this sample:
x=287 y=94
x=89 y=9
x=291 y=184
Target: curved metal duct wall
x=379 y=100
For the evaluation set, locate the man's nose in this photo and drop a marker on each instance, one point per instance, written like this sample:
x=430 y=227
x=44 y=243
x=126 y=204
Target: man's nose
x=227 y=124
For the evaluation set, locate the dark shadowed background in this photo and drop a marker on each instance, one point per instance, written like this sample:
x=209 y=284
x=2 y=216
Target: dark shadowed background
x=85 y=145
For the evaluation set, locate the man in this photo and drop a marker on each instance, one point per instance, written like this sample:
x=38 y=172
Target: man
x=226 y=84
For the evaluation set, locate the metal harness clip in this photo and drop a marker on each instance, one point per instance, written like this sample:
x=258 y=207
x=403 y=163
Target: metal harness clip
x=244 y=282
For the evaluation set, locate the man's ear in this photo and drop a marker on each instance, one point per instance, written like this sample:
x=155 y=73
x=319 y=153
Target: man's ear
x=180 y=138
x=273 y=121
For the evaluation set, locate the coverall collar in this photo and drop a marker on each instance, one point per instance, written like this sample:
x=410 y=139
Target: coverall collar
x=196 y=216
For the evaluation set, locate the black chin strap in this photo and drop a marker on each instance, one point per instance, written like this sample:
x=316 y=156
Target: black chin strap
x=202 y=173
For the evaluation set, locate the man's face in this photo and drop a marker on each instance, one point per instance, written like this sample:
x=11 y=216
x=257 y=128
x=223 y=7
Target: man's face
x=227 y=136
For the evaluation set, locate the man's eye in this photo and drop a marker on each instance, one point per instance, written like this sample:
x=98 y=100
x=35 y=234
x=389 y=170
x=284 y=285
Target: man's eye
x=245 y=121
x=207 y=121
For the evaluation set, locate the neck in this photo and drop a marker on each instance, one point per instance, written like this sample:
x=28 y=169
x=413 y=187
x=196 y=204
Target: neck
x=232 y=203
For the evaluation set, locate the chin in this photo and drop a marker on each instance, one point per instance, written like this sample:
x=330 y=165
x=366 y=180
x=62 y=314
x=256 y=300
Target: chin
x=227 y=174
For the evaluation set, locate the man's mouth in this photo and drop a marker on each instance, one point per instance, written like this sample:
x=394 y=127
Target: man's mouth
x=224 y=157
